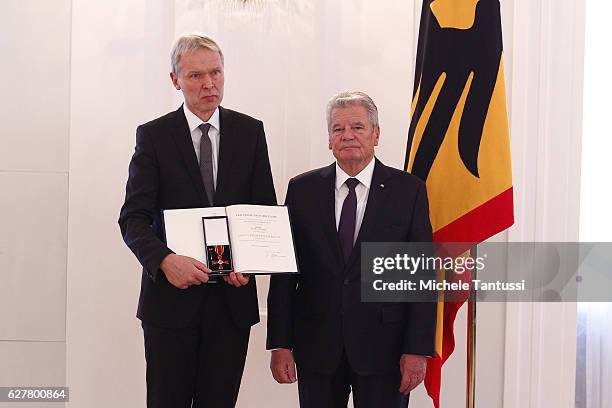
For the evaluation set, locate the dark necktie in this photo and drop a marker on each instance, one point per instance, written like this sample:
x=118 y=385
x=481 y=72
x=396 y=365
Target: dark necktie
x=348 y=218
x=206 y=164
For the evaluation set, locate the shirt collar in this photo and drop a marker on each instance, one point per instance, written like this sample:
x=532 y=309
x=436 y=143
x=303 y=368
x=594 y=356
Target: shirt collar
x=193 y=121
x=364 y=176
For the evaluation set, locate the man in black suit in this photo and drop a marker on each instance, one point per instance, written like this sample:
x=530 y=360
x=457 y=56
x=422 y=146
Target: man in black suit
x=196 y=329
x=316 y=320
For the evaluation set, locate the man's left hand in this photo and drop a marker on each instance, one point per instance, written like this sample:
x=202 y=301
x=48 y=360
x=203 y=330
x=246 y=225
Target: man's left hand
x=236 y=279
x=413 y=368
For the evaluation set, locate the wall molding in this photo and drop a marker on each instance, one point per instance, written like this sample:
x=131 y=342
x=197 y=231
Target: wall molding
x=546 y=116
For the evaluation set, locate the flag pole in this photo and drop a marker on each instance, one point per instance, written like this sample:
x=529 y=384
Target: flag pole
x=471 y=346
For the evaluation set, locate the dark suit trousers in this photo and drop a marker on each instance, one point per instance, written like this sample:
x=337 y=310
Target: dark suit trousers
x=318 y=390
x=201 y=363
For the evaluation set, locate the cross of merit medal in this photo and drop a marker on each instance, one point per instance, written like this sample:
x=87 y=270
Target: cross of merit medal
x=219 y=258
x=217 y=244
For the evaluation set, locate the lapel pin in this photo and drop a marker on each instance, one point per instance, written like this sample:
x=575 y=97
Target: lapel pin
x=382 y=186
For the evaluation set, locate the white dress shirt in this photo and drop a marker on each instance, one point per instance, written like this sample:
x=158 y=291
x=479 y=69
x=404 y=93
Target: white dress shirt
x=362 y=190
x=214 y=133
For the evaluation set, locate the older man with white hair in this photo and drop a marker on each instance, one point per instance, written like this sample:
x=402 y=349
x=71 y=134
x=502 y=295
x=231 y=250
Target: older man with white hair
x=316 y=321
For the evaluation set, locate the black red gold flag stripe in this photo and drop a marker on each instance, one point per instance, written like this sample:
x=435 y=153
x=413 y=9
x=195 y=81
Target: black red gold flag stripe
x=458 y=141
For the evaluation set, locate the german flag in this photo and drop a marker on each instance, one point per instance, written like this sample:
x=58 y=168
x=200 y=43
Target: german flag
x=458 y=140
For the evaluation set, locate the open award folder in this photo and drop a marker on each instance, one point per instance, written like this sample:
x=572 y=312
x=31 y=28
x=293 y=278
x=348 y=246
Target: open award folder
x=251 y=239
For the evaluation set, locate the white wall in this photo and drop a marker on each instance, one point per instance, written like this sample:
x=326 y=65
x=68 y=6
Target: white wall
x=119 y=72
x=104 y=70
x=596 y=220
x=34 y=122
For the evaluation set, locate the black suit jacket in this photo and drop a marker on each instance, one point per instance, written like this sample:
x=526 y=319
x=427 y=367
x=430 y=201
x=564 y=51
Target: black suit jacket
x=319 y=313
x=164 y=174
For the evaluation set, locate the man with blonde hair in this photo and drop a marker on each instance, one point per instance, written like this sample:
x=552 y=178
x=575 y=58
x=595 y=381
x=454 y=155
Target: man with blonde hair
x=196 y=328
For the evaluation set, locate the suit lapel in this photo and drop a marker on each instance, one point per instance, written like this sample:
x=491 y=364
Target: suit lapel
x=182 y=138
x=328 y=209
x=227 y=142
x=376 y=200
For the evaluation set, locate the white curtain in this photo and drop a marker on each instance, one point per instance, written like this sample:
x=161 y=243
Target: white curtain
x=594 y=376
